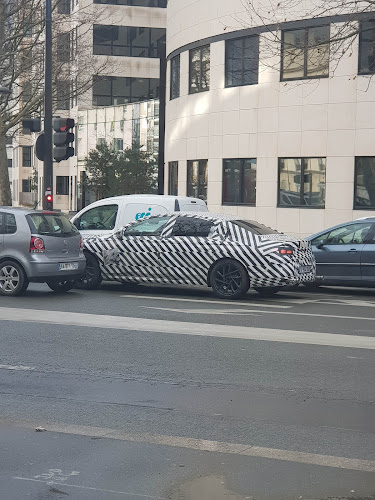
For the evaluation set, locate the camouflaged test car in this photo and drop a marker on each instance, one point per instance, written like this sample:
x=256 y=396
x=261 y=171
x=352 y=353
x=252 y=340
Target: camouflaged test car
x=223 y=252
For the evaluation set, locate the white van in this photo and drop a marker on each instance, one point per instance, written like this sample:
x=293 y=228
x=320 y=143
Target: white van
x=106 y=216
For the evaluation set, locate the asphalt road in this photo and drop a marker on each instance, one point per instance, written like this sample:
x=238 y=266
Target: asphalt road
x=152 y=392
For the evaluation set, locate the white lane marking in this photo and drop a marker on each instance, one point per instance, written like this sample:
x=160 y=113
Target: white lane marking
x=17 y=368
x=127 y=493
x=345 y=302
x=242 y=312
x=185 y=328
x=209 y=301
x=218 y=447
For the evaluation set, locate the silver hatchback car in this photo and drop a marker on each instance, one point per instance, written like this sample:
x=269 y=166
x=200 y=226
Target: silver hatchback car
x=39 y=247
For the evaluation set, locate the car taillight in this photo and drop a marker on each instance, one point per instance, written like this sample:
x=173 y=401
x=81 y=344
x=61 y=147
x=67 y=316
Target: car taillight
x=36 y=245
x=285 y=250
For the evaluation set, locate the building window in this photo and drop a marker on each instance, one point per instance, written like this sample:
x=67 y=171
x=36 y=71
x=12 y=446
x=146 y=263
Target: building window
x=63 y=7
x=26 y=186
x=118 y=145
x=62 y=184
x=10 y=163
x=241 y=61
x=197 y=179
x=63 y=47
x=101 y=141
x=113 y=90
x=63 y=88
x=136 y=3
x=364 y=196
x=128 y=41
x=305 y=53
x=27 y=92
x=199 y=69
x=367 y=47
x=26 y=156
x=302 y=182
x=173 y=178
x=239 y=181
x=175 y=77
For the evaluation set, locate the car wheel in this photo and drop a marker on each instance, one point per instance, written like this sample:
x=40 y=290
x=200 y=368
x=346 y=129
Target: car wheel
x=61 y=286
x=229 y=279
x=267 y=291
x=92 y=277
x=13 y=279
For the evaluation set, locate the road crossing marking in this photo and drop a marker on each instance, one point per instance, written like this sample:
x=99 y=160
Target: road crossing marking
x=250 y=311
x=209 y=301
x=214 y=446
x=17 y=368
x=185 y=328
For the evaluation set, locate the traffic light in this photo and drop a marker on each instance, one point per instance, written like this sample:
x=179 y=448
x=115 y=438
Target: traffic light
x=63 y=140
x=48 y=205
x=32 y=124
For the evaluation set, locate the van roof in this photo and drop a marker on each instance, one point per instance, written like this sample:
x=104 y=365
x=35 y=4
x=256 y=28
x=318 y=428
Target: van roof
x=156 y=196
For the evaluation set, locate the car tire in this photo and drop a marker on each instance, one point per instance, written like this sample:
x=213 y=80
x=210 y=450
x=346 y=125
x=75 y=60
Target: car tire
x=13 y=279
x=229 y=279
x=267 y=291
x=61 y=286
x=92 y=276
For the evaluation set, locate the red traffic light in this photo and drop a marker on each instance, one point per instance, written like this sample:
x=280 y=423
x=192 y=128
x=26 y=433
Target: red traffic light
x=63 y=124
x=49 y=197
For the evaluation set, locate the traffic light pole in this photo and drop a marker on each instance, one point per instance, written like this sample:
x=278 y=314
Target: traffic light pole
x=48 y=162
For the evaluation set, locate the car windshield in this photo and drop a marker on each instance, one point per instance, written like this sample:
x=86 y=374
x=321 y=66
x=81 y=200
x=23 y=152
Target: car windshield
x=255 y=227
x=51 y=225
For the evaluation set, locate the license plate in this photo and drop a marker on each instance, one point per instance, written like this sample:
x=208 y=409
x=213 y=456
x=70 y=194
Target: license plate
x=68 y=266
x=304 y=269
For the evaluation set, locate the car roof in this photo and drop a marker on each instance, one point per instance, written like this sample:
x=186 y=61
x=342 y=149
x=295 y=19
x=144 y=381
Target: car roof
x=27 y=211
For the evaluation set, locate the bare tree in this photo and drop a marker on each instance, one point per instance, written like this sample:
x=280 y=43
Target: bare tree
x=22 y=49
x=330 y=42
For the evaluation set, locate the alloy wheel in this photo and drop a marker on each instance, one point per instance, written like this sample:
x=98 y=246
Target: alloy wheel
x=9 y=279
x=228 y=279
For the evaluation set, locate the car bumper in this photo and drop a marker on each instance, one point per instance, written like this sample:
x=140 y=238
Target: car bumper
x=49 y=270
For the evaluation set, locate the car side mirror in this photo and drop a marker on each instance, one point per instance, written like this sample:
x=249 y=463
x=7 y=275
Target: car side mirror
x=320 y=245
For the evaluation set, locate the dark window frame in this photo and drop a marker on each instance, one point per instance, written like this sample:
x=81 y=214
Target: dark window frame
x=363 y=73
x=230 y=203
x=153 y=52
x=282 y=79
x=112 y=97
x=174 y=92
x=302 y=158
x=64 y=7
x=64 y=47
x=172 y=164
x=162 y=4
x=200 y=88
x=243 y=39
x=26 y=185
x=62 y=186
x=355 y=207
x=190 y=163
x=27 y=158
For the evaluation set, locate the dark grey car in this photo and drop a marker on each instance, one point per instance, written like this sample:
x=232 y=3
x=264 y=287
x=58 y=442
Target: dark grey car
x=39 y=247
x=345 y=254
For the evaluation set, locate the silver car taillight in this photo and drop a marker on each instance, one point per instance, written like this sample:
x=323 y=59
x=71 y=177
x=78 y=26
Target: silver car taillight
x=36 y=245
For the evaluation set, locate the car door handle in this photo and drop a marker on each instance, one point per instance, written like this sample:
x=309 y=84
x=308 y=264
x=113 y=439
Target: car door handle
x=353 y=250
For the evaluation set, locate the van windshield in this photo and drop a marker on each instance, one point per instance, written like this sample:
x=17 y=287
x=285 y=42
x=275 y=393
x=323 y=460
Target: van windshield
x=51 y=225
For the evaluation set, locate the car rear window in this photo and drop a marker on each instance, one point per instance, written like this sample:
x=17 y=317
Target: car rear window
x=255 y=227
x=51 y=225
